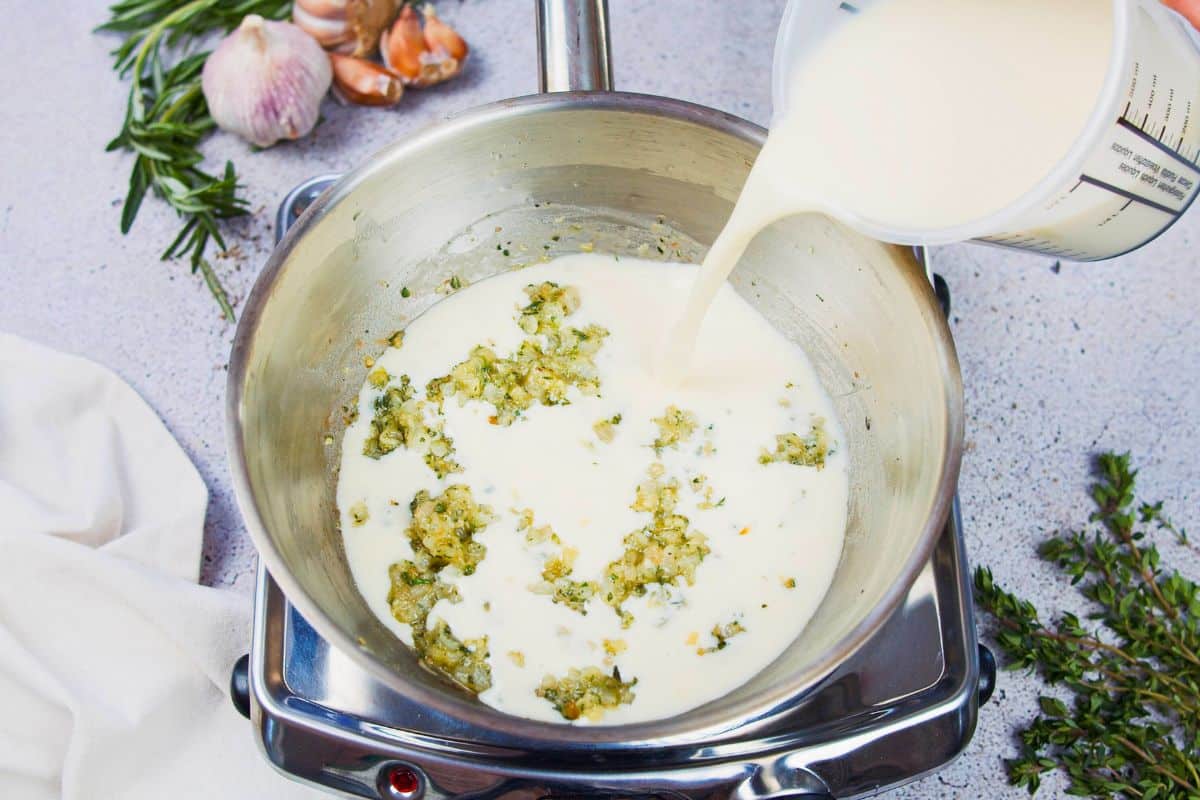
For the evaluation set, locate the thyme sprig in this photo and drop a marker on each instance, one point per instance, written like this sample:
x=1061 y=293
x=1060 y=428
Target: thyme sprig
x=1131 y=728
x=167 y=117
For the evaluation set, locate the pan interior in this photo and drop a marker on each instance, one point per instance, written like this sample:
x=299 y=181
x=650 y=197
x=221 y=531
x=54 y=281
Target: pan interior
x=440 y=205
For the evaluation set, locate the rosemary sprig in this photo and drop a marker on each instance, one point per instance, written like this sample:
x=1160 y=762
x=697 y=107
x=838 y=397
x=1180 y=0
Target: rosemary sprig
x=1132 y=727
x=167 y=117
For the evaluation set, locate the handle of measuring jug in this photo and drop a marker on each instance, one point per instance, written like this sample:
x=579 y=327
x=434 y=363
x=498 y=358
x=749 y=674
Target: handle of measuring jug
x=573 y=46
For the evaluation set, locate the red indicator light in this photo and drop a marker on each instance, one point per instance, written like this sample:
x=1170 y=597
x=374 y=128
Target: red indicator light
x=404 y=780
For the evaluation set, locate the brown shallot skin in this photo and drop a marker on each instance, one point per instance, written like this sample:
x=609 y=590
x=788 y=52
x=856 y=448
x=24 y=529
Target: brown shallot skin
x=365 y=83
x=351 y=27
x=440 y=35
x=403 y=45
x=422 y=56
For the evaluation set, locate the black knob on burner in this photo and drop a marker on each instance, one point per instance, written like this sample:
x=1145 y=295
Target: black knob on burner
x=239 y=686
x=987 y=674
x=942 y=290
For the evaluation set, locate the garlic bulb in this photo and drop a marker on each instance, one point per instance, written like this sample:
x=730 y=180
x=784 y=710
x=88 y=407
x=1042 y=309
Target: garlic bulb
x=346 y=26
x=422 y=58
x=265 y=81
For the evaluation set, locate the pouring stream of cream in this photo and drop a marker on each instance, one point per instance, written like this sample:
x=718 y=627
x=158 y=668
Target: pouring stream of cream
x=916 y=115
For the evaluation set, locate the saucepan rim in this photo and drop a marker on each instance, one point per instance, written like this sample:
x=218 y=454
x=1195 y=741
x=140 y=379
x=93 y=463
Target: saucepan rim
x=698 y=724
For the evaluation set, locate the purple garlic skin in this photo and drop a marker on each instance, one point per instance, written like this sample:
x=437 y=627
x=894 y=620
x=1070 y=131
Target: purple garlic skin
x=265 y=81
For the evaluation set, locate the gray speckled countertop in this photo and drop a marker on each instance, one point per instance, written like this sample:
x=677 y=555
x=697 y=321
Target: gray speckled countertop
x=1058 y=363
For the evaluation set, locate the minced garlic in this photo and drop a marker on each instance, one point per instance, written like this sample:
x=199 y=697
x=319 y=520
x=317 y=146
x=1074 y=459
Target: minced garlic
x=615 y=647
x=661 y=552
x=378 y=378
x=542 y=370
x=807 y=451
x=556 y=570
x=401 y=420
x=674 y=426
x=606 y=429
x=442 y=535
x=586 y=692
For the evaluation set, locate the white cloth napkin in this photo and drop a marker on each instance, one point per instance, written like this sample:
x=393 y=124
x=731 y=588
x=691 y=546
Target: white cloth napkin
x=114 y=663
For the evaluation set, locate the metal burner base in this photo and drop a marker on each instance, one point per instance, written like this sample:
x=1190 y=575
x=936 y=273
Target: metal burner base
x=903 y=707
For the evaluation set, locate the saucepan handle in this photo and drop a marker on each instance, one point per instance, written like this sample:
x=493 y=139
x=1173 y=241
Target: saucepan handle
x=573 y=51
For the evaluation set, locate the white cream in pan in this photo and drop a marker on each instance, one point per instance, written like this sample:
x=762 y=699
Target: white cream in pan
x=773 y=531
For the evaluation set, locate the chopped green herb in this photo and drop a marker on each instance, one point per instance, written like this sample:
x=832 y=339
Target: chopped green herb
x=450 y=285
x=722 y=634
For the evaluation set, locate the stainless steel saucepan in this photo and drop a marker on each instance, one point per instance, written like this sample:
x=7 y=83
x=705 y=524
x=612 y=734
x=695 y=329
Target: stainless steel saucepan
x=621 y=170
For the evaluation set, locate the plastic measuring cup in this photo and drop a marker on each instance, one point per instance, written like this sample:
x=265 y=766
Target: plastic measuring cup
x=1133 y=170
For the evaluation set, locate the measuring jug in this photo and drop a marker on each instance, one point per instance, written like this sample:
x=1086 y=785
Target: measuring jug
x=1133 y=170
